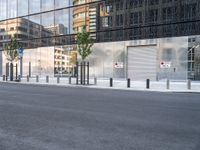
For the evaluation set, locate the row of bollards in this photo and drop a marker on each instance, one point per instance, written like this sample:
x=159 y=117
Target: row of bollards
x=18 y=78
x=148 y=83
x=58 y=79
x=129 y=83
x=5 y=78
x=47 y=79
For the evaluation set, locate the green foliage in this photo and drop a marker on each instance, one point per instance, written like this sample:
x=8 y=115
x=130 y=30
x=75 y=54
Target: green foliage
x=11 y=50
x=85 y=42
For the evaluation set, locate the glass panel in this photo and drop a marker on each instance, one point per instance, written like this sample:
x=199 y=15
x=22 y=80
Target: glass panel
x=35 y=29
x=22 y=29
x=62 y=22
x=71 y=23
x=65 y=60
x=12 y=8
x=48 y=27
x=2 y=9
x=41 y=59
x=34 y=6
x=11 y=28
x=47 y=5
x=80 y=18
x=22 y=7
x=3 y=33
x=47 y=42
x=63 y=3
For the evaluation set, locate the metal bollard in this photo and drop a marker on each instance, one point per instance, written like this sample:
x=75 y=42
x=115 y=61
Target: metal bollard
x=58 y=79
x=27 y=78
x=47 y=79
x=70 y=79
x=95 y=81
x=19 y=78
x=37 y=78
x=189 y=84
x=128 y=83
x=148 y=84
x=4 y=77
x=168 y=84
x=111 y=82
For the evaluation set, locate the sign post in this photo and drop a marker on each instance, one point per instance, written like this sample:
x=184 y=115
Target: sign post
x=20 y=54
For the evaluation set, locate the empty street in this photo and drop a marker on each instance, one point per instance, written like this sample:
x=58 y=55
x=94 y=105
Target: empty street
x=34 y=117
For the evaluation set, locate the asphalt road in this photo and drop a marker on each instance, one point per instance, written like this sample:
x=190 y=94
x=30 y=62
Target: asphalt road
x=56 y=118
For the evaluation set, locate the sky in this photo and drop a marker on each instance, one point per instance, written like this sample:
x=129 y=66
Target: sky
x=33 y=4
x=62 y=16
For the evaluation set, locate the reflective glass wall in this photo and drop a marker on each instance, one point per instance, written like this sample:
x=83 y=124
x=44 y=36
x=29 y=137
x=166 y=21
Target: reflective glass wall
x=44 y=28
x=53 y=25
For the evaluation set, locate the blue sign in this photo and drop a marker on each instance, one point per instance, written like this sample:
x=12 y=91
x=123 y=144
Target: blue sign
x=20 y=52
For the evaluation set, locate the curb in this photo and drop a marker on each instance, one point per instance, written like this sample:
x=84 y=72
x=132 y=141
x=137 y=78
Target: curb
x=102 y=87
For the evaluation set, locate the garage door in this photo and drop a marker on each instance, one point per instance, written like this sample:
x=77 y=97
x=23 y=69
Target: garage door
x=142 y=62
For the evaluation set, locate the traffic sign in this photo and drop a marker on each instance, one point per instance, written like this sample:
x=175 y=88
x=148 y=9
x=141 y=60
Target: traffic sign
x=20 y=52
x=165 y=64
x=118 y=65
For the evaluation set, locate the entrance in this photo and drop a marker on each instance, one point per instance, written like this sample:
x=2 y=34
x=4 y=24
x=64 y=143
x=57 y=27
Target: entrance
x=141 y=63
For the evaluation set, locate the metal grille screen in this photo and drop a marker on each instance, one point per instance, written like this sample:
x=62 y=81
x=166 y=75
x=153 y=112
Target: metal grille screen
x=142 y=62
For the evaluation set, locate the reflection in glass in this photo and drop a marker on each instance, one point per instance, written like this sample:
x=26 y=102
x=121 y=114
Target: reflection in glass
x=65 y=60
x=12 y=8
x=48 y=27
x=22 y=7
x=63 y=3
x=35 y=30
x=34 y=6
x=47 y=5
x=2 y=9
x=22 y=30
x=62 y=20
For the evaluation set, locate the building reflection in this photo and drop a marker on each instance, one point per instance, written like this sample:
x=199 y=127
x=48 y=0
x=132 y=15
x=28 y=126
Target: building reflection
x=39 y=51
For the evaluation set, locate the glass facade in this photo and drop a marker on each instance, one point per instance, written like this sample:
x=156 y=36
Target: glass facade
x=47 y=31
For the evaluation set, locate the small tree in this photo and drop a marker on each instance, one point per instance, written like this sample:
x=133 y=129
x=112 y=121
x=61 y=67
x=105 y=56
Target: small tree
x=11 y=53
x=84 y=42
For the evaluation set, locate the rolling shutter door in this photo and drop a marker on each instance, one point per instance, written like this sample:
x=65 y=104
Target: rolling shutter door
x=142 y=62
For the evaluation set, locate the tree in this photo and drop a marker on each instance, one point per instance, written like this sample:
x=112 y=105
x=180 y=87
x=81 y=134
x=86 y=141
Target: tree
x=84 y=42
x=11 y=53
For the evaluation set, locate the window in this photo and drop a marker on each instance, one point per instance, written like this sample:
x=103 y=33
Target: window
x=119 y=20
x=153 y=16
x=136 y=18
x=167 y=14
x=106 y=21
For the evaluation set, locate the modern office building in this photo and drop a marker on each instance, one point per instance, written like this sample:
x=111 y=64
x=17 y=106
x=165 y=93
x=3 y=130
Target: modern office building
x=85 y=14
x=135 y=39
x=154 y=32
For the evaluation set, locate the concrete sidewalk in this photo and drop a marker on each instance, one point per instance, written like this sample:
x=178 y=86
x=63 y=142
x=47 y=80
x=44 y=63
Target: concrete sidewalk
x=121 y=84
